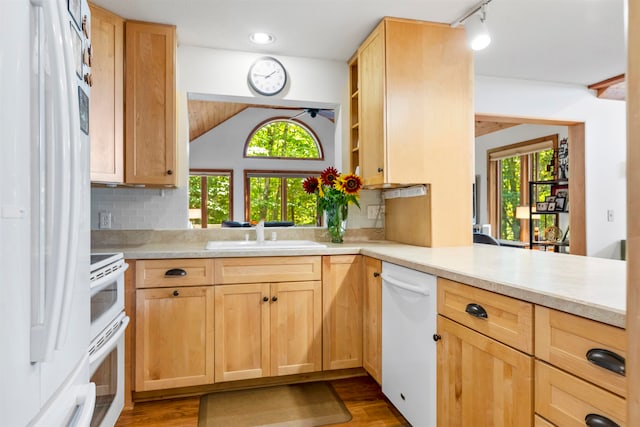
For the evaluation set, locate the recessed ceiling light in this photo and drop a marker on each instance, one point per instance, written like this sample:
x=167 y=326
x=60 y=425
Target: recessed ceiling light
x=262 y=38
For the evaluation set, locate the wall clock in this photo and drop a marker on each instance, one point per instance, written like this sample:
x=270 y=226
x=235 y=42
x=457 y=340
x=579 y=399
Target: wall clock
x=267 y=76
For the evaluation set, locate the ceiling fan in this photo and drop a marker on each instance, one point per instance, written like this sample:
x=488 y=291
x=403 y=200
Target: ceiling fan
x=314 y=112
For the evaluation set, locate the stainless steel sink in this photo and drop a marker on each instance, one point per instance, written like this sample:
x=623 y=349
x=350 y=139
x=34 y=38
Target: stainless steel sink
x=245 y=245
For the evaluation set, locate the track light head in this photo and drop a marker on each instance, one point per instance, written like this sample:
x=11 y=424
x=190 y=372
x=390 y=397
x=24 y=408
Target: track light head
x=477 y=33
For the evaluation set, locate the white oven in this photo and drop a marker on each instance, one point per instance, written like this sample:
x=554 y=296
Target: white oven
x=107 y=289
x=108 y=323
x=106 y=361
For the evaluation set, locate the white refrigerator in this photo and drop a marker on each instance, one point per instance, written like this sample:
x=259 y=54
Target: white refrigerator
x=44 y=213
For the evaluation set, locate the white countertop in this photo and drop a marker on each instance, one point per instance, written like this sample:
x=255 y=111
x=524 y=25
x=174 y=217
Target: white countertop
x=594 y=288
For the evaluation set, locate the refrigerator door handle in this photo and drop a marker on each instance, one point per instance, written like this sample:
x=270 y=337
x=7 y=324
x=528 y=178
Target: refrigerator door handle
x=54 y=215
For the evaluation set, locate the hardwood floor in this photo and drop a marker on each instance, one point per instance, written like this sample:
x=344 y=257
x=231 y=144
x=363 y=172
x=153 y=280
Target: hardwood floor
x=361 y=395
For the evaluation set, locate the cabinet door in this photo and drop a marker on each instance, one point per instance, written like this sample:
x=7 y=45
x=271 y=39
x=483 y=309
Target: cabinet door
x=372 y=318
x=481 y=382
x=342 y=301
x=296 y=327
x=174 y=337
x=242 y=331
x=107 y=96
x=371 y=71
x=150 y=98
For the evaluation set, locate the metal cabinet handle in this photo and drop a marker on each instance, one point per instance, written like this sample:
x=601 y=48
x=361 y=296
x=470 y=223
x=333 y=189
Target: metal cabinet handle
x=169 y=172
x=476 y=310
x=436 y=337
x=376 y=274
x=595 y=420
x=265 y=299
x=274 y=299
x=175 y=272
x=607 y=359
x=176 y=293
x=380 y=170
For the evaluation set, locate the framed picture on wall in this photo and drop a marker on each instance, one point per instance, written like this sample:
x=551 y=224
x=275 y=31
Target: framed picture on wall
x=542 y=206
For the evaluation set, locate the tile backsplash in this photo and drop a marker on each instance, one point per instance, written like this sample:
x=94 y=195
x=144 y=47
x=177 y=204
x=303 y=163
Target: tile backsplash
x=141 y=208
x=166 y=209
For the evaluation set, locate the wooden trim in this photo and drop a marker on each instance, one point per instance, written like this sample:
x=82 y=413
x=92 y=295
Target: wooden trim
x=604 y=85
x=129 y=333
x=528 y=147
x=246 y=384
x=203 y=191
x=633 y=219
x=577 y=191
x=524 y=120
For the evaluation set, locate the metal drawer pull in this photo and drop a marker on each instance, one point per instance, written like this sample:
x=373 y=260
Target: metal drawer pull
x=476 y=310
x=175 y=272
x=595 y=420
x=607 y=359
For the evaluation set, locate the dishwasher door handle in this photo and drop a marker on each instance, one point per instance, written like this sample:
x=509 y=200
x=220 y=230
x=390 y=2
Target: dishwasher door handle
x=403 y=285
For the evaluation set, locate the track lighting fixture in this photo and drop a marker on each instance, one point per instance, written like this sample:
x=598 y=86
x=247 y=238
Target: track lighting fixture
x=475 y=27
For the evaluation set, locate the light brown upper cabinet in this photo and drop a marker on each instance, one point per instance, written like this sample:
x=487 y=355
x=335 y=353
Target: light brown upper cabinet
x=415 y=125
x=106 y=105
x=150 y=153
x=415 y=92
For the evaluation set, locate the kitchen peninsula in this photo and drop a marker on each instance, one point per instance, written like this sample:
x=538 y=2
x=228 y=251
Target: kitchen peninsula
x=562 y=303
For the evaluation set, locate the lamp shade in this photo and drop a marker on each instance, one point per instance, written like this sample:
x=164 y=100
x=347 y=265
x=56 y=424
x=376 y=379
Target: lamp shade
x=477 y=32
x=522 y=212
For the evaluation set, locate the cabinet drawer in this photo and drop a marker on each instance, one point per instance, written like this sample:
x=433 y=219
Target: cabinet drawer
x=267 y=269
x=158 y=273
x=571 y=342
x=538 y=421
x=503 y=318
x=566 y=400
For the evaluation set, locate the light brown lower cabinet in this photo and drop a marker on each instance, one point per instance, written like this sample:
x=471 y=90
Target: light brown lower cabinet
x=481 y=382
x=372 y=318
x=267 y=329
x=342 y=307
x=566 y=400
x=174 y=337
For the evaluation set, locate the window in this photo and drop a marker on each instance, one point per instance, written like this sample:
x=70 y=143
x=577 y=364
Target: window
x=509 y=171
x=279 y=196
x=210 y=197
x=283 y=139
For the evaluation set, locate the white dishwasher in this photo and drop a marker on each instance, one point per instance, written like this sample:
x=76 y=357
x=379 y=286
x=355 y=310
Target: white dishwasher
x=408 y=349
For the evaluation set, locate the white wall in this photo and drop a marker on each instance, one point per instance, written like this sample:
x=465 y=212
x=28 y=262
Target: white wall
x=605 y=145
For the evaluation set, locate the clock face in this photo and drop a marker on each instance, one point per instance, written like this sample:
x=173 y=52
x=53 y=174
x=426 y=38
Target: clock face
x=267 y=76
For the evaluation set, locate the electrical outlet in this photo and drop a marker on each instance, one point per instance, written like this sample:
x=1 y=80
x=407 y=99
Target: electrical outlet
x=105 y=220
x=373 y=211
x=610 y=215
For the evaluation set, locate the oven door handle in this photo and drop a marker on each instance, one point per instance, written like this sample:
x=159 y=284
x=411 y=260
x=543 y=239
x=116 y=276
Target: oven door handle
x=109 y=345
x=102 y=283
x=85 y=399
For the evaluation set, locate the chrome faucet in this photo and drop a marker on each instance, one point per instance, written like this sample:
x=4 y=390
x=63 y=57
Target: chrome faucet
x=260 y=231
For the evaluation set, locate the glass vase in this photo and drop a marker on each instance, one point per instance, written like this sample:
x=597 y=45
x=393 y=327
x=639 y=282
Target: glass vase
x=337 y=222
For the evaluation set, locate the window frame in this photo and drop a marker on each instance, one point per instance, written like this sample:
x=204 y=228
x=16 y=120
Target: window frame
x=203 y=195
x=264 y=173
x=524 y=150
x=284 y=119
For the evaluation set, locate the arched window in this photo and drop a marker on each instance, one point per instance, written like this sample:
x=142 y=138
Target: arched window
x=283 y=138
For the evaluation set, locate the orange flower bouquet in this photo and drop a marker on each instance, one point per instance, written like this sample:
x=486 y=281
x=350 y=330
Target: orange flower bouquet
x=334 y=192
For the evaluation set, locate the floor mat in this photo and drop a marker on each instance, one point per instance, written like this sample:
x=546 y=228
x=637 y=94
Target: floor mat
x=299 y=405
